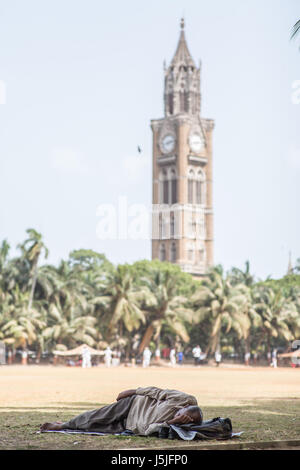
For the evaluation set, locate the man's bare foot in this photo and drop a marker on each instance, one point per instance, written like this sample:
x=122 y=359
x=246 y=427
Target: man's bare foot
x=56 y=426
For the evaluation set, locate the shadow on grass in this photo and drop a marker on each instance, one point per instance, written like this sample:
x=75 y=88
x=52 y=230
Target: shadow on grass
x=56 y=406
x=261 y=420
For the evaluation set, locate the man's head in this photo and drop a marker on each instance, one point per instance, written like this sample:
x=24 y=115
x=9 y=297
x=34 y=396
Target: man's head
x=193 y=412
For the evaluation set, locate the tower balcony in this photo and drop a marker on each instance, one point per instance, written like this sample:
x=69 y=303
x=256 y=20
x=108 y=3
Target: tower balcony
x=166 y=160
x=198 y=160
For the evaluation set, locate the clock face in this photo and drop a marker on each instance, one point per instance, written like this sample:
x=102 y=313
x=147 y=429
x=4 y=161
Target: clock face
x=168 y=143
x=196 y=143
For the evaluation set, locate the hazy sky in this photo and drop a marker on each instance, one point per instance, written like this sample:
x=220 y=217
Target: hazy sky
x=80 y=82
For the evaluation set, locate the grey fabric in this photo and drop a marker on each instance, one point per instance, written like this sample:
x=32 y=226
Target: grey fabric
x=216 y=428
x=110 y=419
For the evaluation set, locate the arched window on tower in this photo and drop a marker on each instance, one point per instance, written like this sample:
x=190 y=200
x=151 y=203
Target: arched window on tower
x=160 y=226
x=200 y=190
x=201 y=256
x=194 y=102
x=164 y=187
x=173 y=252
x=191 y=177
x=173 y=186
x=181 y=101
x=191 y=253
x=170 y=103
x=186 y=102
x=172 y=225
x=162 y=252
x=166 y=192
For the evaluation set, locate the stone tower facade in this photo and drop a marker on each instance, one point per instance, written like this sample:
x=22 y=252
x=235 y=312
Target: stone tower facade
x=182 y=219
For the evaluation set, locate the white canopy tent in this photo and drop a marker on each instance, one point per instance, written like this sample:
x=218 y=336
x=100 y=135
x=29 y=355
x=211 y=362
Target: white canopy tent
x=78 y=351
x=296 y=353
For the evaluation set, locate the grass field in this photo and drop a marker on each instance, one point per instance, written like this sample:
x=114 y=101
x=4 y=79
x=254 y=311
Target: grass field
x=262 y=402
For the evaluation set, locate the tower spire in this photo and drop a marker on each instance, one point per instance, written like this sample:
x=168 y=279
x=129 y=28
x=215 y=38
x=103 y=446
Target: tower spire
x=182 y=55
x=182 y=80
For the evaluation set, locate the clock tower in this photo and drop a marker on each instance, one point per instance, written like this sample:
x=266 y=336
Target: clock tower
x=182 y=218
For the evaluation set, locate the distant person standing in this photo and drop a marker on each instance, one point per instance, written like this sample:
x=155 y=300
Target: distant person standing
x=255 y=357
x=86 y=357
x=173 y=357
x=119 y=355
x=197 y=354
x=218 y=358
x=107 y=356
x=166 y=353
x=247 y=358
x=24 y=357
x=9 y=357
x=180 y=358
x=157 y=354
x=146 y=357
x=274 y=358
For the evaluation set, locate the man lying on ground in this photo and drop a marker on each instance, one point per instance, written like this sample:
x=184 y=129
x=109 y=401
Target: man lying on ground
x=143 y=411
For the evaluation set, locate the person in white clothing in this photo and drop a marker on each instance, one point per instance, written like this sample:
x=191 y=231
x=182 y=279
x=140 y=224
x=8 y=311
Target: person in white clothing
x=24 y=357
x=146 y=357
x=107 y=356
x=197 y=354
x=173 y=357
x=86 y=357
x=274 y=358
x=218 y=358
x=157 y=354
x=247 y=358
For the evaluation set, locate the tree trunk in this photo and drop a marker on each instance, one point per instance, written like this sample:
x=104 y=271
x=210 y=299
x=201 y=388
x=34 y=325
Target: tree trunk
x=218 y=346
x=121 y=329
x=158 y=341
x=24 y=357
x=247 y=344
x=34 y=279
x=128 y=350
x=146 y=338
x=38 y=355
x=9 y=357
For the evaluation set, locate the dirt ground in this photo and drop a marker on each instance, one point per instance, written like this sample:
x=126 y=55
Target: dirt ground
x=41 y=386
x=262 y=402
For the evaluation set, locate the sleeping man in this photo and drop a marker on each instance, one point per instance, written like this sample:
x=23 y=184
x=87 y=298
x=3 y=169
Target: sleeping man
x=143 y=411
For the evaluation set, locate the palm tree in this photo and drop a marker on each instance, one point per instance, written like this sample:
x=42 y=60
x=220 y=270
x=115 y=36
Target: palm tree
x=70 y=314
x=296 y=29
x=68 y=332
x=19 y=325
x=238 y=276
x=164 y=307
x=294 y=317
x=225 y=304
x=297 y=266
x=275 y=311
x=118 y=305
x=4 y=250
x=248 y=309
x=58 y=330
x=32 y=249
